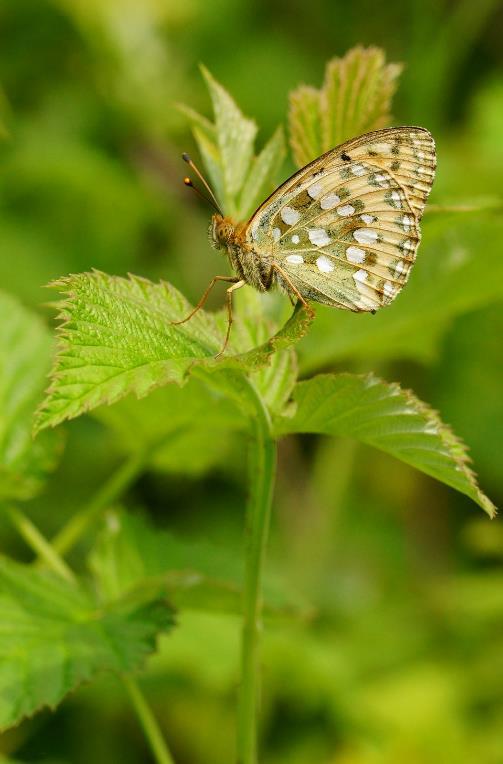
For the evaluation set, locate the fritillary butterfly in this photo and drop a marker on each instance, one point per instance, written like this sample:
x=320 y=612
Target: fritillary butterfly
x=342 y=231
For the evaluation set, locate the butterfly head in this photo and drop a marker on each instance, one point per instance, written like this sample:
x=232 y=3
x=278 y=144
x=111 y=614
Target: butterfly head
x=222 y=232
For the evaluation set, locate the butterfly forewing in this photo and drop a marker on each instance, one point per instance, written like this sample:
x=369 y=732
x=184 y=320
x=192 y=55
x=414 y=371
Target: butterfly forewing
x=345 y=229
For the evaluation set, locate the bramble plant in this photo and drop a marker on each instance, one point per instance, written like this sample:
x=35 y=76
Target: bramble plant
x=116 y=338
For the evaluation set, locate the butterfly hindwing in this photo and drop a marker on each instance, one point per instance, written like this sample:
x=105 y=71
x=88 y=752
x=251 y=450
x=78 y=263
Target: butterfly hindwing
x=345 y=229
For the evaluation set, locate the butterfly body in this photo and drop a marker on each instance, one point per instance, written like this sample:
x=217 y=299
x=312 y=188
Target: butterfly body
x=250 y=265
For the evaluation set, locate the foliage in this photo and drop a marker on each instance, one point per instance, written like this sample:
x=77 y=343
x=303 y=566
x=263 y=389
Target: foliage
x=354 y=99
x=25 y=356
x=382 y=640
x=55 y=636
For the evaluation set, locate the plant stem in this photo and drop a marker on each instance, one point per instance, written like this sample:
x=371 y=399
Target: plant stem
x=39 y=544
x=106 y=495
x=148 y=722
x=262 y=468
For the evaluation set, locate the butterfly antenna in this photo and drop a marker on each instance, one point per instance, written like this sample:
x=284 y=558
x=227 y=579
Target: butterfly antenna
x=188 y=182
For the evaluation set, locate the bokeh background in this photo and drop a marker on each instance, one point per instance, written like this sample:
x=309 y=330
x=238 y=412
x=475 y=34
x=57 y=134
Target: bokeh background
x=394 y=650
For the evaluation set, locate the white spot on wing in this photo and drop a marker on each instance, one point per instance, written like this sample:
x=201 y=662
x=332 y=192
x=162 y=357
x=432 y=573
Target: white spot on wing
x=396 y=198
x=329 y=201
x=276 y=233
x=324 y=264
x=358 y=169
x=318 y=237
x=295 y=239
x=368 y=218
x=346 y=210
x=400 y=268
x=389 y=289
x=315 y=190
x=407 y=222
x=381 y=179
x=295 y=259
x=355 y=255
x=290 y=216
x=381 y=148
x=365 y=235
x=360 y=275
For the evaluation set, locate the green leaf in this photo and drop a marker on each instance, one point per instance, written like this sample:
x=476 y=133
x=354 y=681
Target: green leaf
x=130 y=552
x=117 y=338
x=386 y=417
x=193 y=435
x=304 y=119
x=205 y=135
x=240 y=180
x=449 y=278
x=259 y=181
x=235 y=136
x=355 y=98
x=55 y=636
x=25 y=357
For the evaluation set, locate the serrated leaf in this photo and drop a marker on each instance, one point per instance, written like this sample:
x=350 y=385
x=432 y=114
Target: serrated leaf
x=55 y=636
x=205 y=135
x=449 y=278
x=240 y=180
x=259 y=181
x=196 y=573
x=305 y=124
x=235 y=136
x=25 y=357
x=389 y=418
x=117 y=338
x=355 y=97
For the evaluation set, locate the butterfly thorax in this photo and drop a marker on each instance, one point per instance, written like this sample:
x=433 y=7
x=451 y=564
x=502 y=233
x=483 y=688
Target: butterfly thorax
x=230 y=236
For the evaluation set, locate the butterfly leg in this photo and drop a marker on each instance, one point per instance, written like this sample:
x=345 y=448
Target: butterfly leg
x=203 y=299
x=231 y=289
x=287 y=280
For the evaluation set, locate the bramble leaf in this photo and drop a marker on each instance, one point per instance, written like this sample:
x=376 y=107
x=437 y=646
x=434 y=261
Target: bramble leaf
x=235 y=135
x=55 y=636
x=25 y=357
x=196 y=573
x=354 y=99
x=263 y=169
x=387 y=417
x=304 y=119
x=239 y=179
x=193 y=434
x=117 y=337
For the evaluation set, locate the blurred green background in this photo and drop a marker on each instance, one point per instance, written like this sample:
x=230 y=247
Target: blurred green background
x=395 y=650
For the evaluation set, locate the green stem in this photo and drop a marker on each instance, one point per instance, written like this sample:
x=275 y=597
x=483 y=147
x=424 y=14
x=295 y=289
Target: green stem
x=107 y=495
x=39 y=544
x=148 y=722
x=262 y=468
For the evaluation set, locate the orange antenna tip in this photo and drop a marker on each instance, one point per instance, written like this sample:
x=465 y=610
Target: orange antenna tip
x=188 y=182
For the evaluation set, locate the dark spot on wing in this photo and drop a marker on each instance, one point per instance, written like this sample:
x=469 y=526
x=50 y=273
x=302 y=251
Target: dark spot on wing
x=346 y=157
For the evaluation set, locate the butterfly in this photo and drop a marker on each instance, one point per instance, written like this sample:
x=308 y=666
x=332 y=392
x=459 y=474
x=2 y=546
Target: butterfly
x=342 y=231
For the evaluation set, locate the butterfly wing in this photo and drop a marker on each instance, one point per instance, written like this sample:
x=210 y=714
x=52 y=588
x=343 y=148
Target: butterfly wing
x=344 y=230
